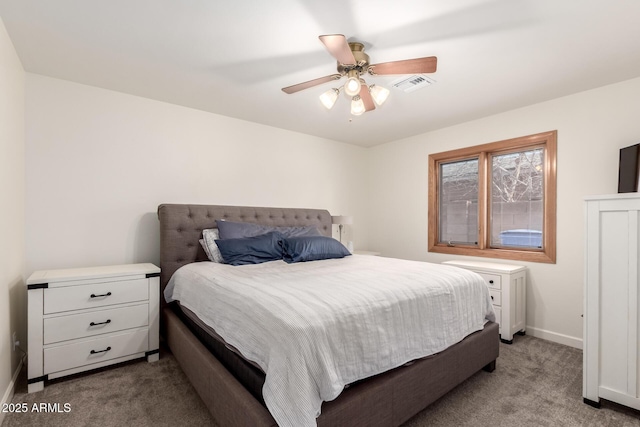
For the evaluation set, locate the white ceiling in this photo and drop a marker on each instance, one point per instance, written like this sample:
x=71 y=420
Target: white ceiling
x=232 y=57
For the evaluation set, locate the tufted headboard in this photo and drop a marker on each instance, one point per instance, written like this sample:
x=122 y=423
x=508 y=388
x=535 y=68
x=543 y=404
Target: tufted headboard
x=181 y=227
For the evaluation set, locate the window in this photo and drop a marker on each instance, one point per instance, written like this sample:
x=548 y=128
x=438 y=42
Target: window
x=495 y=200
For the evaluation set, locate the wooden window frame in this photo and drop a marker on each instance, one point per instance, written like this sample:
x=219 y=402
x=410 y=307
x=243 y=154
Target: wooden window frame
x=546 y=140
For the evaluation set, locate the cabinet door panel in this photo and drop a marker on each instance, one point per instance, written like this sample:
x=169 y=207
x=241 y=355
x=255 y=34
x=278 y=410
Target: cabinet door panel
x=614 y=290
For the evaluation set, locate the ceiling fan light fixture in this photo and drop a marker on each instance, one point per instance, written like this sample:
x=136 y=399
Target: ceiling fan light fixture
x=357 y=106
x=352 y=85
x=379 y=94
x=329 y=98
x=352 y=63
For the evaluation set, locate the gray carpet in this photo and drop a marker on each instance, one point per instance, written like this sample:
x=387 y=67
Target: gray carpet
x=536 y=383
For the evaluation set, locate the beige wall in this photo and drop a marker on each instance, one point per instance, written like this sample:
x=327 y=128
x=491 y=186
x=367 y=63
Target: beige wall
x=12 y=216
x=100 y=162
x=592 y=126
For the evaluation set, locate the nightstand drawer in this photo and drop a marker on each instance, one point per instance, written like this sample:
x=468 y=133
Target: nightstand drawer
x=63 y=328
x=494 y=281
x=496 y=297
x=67 y=298
x=498 y=311
x=108 y=347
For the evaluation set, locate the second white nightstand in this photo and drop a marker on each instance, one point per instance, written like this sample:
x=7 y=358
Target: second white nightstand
x=86 y=318
x=507 y=286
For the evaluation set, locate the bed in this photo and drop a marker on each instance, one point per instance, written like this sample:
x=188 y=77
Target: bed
x=230 y=386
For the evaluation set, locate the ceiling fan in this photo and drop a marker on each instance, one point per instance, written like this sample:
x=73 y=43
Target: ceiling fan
x=352 y=63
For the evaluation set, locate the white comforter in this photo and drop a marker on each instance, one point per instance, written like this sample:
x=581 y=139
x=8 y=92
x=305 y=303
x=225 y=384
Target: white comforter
x=315 y=327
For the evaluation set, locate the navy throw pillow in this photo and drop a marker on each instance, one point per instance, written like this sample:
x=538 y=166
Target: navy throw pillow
x=251 y=250
x=312 y=248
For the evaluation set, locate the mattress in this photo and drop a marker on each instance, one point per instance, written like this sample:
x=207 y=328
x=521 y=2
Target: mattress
x=247 y=372
x=316 y=327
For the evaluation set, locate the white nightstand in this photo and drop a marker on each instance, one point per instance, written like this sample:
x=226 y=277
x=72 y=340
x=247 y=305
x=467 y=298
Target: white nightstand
x=507 y=286
x=86 y=318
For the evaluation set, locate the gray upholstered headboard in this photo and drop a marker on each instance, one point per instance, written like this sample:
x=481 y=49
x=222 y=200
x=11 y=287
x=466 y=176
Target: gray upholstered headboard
x=181 y=227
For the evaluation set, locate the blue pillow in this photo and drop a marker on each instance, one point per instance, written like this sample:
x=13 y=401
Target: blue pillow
x=251 y=250
x=312 y=248
x=237 y=230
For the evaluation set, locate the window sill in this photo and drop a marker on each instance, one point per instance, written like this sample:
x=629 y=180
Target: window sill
x=532 y=256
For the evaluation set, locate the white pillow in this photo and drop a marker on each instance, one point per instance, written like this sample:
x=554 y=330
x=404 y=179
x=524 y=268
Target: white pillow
x=208 y=243
x=206 y=249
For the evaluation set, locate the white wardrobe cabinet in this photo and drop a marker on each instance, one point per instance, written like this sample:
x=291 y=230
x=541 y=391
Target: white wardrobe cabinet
x=611 y=360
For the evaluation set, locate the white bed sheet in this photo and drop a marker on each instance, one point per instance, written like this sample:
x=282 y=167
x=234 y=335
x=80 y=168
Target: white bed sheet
x=315 y=327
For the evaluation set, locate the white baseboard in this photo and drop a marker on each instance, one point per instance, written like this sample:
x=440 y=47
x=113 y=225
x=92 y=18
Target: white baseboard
x=11 y=388
x=555 y=337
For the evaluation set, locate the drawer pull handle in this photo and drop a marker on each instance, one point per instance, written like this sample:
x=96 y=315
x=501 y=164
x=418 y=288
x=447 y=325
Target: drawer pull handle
x=490 y=281
x=109 y=321
x=491 y=300
x=100 y=351
x=101 y=295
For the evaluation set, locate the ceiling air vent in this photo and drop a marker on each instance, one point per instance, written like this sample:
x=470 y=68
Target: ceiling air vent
x=413 y=83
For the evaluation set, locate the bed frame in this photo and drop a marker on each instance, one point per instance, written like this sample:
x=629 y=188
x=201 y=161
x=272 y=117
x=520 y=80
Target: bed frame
x=388 y=399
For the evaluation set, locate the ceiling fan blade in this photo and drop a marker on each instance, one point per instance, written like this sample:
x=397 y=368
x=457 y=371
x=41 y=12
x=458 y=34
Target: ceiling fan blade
x=408 y=66
x=338 y=47
x=365 y=95
x=310 y=83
